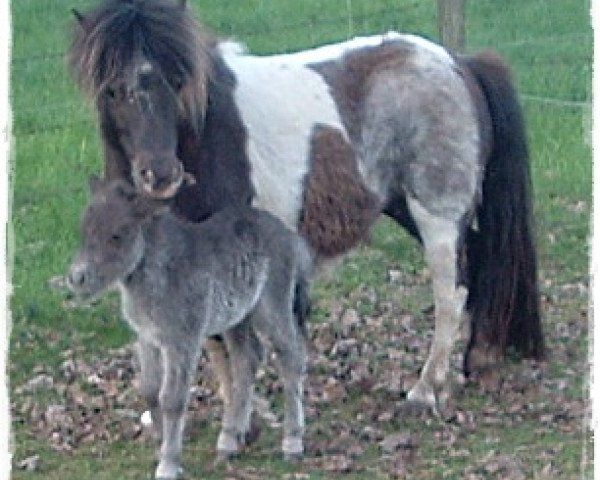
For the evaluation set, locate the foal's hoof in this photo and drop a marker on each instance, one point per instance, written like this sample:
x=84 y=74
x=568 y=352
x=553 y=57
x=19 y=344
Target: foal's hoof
x=166 y=471
x=414 y=408
x=228 y=445
x=226 y=455
x=293 y=457
x=293 y=449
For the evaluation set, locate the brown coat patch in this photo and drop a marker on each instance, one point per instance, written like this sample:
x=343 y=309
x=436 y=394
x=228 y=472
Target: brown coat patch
x=349 y=78
x=338 y=209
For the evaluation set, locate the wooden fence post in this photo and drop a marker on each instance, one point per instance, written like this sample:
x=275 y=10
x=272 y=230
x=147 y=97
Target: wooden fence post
x=451 y=24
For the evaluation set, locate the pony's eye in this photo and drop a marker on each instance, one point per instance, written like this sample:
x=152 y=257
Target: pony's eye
x=115 y=238
x=110 y=92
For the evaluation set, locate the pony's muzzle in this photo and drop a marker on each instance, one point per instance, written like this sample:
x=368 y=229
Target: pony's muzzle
x=160 y=183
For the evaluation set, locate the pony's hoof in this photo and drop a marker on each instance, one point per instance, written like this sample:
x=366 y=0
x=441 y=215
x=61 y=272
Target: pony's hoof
x=422 y=393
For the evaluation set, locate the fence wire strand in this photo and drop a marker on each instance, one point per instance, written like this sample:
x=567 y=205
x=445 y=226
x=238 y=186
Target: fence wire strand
x=32 y=120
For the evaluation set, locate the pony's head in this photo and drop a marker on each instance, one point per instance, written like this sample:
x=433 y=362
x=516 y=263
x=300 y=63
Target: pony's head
x=112 y=236
x=146 y=64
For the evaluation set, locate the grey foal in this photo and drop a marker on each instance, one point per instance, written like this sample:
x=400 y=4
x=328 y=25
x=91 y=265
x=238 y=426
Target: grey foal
x=241 y=273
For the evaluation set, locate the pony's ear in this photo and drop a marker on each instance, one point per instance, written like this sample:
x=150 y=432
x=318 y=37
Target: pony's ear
x=80 y=18
x=182 y=4
x=95 y=183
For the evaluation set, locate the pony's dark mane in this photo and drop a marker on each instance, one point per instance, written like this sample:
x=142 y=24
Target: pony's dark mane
x=109 y=38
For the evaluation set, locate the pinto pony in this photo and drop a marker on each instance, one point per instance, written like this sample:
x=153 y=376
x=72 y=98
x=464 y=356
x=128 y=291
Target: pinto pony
x=327 y=140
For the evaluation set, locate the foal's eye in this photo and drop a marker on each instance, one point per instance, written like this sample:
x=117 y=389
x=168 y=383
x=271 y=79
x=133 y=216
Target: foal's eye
x=177 y=83
x=110 y=92
x=115 y=238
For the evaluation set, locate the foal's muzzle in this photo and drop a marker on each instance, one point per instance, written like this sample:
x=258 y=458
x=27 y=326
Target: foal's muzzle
x=83 y=284
x=78 y=278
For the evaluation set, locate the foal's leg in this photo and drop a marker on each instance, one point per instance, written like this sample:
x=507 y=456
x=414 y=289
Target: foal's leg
x=236 y=415
x=281 y=329
x=179 y=364
x=150 y=382
x=291 y=362
x=440 y=239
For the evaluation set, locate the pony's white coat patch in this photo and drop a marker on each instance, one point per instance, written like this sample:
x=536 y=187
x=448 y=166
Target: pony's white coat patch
x=280 y=102
x=281 y=99
x=146 y=67
x=334 y=51
x=425 y=44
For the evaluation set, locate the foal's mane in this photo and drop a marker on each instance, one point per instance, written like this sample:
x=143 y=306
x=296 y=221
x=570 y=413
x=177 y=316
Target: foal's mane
x=109 y=38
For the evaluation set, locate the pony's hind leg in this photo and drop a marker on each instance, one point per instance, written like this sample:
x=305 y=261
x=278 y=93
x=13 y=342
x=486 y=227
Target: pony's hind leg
x=243 y=363
x=441 y=242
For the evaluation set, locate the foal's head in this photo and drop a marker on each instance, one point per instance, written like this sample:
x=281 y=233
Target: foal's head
x=112 y=239
x=146 y=64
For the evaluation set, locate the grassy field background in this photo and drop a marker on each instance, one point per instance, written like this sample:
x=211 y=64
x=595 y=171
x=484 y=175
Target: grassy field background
x=541 y=421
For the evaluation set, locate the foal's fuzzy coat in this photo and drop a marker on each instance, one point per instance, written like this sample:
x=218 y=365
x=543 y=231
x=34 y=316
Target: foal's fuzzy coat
x=238 y=273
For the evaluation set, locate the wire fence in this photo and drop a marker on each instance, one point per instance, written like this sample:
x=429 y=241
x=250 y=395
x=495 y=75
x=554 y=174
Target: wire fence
x=33 y=116
x=56 y=117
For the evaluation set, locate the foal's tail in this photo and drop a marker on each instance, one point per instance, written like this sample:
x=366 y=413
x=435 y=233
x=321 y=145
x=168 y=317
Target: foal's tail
x=302 y=303
x=503 y=297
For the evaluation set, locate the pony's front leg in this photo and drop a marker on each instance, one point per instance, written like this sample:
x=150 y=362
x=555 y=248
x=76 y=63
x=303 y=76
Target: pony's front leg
x=219 y=362
x=179 y=364
x=151 y=375
x=440 y=239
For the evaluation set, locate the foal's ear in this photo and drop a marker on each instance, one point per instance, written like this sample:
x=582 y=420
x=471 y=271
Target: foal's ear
x=80 y=18
x=126 y=191
x=95 y=183
x=182 y=4
x=146 y=208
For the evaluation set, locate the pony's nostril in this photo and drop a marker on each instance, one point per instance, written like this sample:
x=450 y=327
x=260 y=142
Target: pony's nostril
x=147 y=176
x=177 y=171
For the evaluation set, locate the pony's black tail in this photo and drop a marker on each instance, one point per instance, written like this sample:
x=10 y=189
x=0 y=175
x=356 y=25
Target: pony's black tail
x=501 y=255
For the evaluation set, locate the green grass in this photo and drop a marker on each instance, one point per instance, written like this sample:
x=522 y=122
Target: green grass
x=548 y=43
